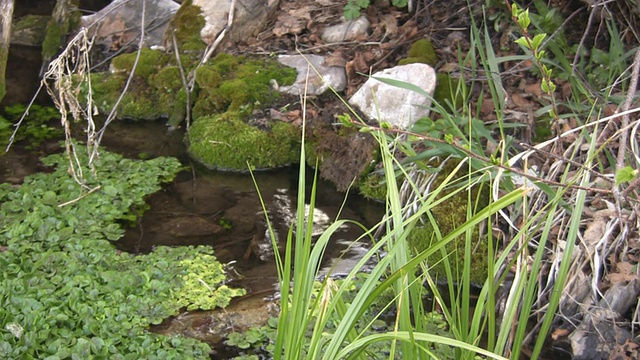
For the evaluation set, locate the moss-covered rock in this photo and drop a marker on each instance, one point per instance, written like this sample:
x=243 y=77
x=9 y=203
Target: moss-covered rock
x=186 y=25
x=421 y=51
x=226 y=142
x=149 y=63
x=233 y=83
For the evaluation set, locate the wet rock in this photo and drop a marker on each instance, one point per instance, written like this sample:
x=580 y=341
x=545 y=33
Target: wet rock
x=29 y=30
x=398 y=106
x=203 y=197
x=601 y=331
x=313 y=74
x=189 y=227
x=346 y=31
x=250 y=17
x=118 y=24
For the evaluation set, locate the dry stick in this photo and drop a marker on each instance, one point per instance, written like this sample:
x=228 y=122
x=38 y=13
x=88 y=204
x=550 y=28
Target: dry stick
x=563 y=159
x=112 y=114
x=624 y=137
x=213 y=46
x=583 y=39
x=184 y=80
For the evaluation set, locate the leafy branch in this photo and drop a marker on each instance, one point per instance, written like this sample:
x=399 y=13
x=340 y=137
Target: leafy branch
x=535 y=44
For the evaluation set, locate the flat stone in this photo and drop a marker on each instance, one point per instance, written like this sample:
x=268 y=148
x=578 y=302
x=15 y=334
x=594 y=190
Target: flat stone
x=397 y=106
x=329 y=76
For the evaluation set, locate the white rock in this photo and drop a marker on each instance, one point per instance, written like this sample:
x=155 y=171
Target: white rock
x=395 y=105
x=330 y=76
x=250 y=16
x=346 y=31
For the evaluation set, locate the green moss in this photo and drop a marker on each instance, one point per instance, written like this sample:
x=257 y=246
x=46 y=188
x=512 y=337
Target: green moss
x=56 y=31
x=226 y=142
x=449 y=215
x=4 y=55
x=421 y=51
x=233 y=83
x=446 y=90
x=187 y=24
x=52 y=39
x=150 y=62
x=373 y=187
x=31 y=22
x=170 y=94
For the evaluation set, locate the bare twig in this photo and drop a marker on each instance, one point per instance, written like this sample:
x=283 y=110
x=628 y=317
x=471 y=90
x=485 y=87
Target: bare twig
x=624 y=137
x=212 y=47
x=81 y=196
x=184 y=81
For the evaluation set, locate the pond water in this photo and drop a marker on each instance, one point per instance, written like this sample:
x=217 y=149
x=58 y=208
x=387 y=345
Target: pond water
x=222 y=210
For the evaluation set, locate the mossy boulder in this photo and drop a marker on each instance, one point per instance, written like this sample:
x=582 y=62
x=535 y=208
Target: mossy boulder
x=156 y=90
x=421 y=51
x=225 y=83
x=186 y=25
x=233 y=83
x=227 y=142
x=149 y=63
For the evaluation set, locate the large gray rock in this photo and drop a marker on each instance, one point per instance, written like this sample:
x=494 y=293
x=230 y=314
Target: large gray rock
x=330 y=76
x=249 y=18
x=398 y=106
x=118 y=24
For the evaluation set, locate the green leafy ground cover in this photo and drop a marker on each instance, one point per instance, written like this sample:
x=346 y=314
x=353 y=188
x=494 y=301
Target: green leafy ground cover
x=65 y=292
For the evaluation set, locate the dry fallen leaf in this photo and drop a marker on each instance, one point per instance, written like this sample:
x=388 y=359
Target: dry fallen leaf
x=559 y=333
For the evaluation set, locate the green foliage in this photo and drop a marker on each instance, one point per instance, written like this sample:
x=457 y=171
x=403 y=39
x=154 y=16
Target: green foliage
x=226 y=142
x=35 y=128
x=625 y=175
x=373 y=187
x=353 y=8
x=259 y=341
x=67 y=293
x=421 y=51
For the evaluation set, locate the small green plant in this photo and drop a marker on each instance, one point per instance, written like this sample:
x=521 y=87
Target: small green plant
x=353 y=8
x=226 y=224
x=36 y=126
